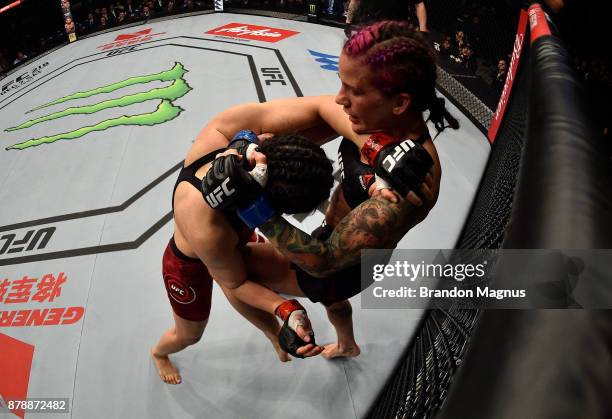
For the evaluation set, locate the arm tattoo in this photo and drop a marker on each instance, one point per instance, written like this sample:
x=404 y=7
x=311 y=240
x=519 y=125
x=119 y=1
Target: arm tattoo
x=376 y=223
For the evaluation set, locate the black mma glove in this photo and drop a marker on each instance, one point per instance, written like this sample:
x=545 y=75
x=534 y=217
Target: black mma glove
x=293 y=315
x=403 y=165
x=228 y=185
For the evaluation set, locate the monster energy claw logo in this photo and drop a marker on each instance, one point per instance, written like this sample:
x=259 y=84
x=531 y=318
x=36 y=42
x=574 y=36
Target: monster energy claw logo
x=166 y=109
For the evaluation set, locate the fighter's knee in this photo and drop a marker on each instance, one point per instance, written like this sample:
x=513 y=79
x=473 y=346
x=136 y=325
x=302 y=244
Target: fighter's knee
x=340 y=309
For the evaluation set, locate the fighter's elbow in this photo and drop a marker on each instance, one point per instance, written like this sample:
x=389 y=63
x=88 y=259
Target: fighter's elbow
x=242 y=116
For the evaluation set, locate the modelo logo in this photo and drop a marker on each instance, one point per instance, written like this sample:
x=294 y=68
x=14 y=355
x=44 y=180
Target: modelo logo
x=256 y=33
x=180 y=292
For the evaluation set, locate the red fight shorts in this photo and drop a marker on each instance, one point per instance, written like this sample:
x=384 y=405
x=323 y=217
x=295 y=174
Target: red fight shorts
x=188 y=282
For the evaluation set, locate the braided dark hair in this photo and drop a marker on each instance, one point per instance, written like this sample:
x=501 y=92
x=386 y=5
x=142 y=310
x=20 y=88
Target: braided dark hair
x=401 y=61
x=299 y=173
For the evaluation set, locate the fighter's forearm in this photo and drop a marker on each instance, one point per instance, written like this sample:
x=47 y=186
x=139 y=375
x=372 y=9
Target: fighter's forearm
x=312 y=255
x=376 y=223
x=256 y=295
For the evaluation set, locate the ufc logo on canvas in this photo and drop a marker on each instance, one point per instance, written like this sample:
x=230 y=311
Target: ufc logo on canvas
x=216 y=196
x=398 y=152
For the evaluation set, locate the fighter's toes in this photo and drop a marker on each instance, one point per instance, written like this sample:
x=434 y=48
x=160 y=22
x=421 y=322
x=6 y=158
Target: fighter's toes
x=166 y=370
x=334 y=350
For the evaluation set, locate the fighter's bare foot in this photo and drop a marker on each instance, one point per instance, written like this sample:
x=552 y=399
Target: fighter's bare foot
x=167 y=372
x=333 y=350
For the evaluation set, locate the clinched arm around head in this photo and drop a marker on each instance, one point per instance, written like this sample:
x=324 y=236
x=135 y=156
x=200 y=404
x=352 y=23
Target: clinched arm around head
x=315 y=114
x=283 y=116
x=376 y=223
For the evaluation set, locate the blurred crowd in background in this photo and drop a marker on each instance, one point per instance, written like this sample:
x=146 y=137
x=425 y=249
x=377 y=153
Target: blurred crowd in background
x=473 y=37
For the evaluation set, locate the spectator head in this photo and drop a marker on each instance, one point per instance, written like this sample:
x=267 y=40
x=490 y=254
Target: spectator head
x=447 y=43
x=69 y=25
x=460 y=38
x=466 y=51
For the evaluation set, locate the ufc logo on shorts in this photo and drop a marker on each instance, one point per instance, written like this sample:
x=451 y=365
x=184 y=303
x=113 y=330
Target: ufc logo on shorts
x=216 y=196
x=398 y=152
x=177 y=289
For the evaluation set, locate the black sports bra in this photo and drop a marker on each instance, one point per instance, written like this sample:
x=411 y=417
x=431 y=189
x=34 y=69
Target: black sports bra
x=187 y=174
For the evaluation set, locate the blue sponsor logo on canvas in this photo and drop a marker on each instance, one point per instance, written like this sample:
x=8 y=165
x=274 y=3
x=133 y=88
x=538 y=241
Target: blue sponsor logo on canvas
x=329 y=62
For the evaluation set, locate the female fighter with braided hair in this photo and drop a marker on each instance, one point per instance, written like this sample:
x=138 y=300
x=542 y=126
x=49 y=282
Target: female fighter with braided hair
x=295 y=175
x=388 y=76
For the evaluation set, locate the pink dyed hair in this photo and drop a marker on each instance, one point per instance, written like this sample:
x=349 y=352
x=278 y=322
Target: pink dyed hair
x=398 y=58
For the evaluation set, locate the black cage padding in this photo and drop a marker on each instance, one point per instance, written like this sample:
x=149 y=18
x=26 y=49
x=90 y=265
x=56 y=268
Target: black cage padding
x=548 y=363
x=423 y=378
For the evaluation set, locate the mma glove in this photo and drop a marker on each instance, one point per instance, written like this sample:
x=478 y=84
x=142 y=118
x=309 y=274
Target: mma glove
x=293 y=314
x=403 y=165
x=228 y=186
